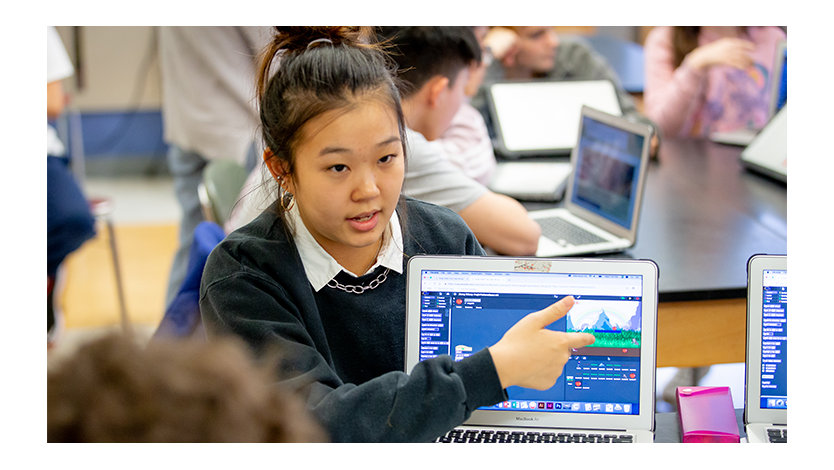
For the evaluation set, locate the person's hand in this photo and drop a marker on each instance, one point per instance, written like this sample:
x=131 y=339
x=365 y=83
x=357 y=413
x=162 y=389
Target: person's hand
x=733 y=52
x=502 y=43
x=654 y=146
x=531 y=356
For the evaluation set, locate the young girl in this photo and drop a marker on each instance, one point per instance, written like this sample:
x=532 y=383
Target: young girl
x=321 y=272
x=705 y=79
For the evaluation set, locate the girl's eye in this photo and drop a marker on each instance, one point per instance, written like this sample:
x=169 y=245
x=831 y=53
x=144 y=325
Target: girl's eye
x=387 y=158
x=338 y=168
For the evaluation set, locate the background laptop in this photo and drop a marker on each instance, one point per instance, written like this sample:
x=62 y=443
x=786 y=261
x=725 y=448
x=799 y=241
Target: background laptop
x=540 y=118
x=605 y=189
x=768 y=153
x=460 y=305
x=778 y=97
x=765 y=386
x=531 y=180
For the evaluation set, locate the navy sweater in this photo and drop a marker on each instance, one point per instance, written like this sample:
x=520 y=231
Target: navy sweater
x=345 y=352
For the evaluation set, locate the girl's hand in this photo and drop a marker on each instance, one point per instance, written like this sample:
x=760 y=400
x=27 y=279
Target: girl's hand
x=529 y=355
x=733 y=52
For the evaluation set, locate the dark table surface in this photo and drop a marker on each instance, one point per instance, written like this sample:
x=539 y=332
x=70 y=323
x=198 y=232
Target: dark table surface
x=667 y=427
x=703 y=216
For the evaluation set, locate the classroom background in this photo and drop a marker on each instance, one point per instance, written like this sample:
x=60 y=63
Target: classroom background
x=113 y=131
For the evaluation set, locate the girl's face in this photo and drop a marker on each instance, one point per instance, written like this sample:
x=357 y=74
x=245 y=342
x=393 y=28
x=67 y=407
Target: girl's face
x=349 y=169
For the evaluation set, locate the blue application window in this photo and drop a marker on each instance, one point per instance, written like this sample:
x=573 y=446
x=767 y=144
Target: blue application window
x=774 y=383
x=464 y=312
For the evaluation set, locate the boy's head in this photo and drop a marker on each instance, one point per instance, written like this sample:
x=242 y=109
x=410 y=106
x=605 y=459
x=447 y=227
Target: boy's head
x=536 y=48
x=116 y=390
x=433 y=64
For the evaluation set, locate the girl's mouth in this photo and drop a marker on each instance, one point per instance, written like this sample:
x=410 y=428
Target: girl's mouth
x=365 y=222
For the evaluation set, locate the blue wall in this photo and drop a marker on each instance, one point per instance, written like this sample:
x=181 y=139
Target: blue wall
x=122 y=142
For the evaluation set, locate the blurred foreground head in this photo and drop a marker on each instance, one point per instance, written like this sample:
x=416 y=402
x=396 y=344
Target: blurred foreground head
x=114 y=390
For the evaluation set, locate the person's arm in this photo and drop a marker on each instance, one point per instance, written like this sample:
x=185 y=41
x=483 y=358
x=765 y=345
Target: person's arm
x=499 y=222
x=55 y=99
x=435 y=396
x=502 y=224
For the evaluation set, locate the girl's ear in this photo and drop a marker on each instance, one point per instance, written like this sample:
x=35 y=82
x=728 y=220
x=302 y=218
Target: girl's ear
x=272 y=164
x=276 y=167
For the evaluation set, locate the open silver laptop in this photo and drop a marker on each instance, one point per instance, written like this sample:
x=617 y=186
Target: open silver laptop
x=766 y=384
x=605 y=189
x=777 y=98
x=768 y=153
x=540 y=117
x=606 y=393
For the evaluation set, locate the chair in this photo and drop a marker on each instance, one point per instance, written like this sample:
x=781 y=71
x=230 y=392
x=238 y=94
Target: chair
x=625 y=57
x=102 y=209
x=219 y=190
x=182 y=317
x=69 y=130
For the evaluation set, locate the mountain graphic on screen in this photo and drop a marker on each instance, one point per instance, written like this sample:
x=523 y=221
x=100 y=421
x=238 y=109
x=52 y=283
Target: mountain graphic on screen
x=604 y=323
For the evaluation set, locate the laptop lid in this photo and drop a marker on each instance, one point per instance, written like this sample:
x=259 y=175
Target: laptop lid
x=610 y=163
x=460 y=305
x=540 y=118
x=766 y=395
x=539 y=180
x=768 y=152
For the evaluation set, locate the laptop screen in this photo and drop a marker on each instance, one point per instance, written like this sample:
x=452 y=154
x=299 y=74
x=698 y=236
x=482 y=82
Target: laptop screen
x=780 y=76
x=607 y=171
x=462 y=312
x=773 y=375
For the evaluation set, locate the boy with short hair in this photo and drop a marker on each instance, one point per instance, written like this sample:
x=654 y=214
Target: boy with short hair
x=433 y=64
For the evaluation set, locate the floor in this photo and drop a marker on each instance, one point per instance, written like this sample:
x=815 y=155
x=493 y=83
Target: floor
x=145 y=213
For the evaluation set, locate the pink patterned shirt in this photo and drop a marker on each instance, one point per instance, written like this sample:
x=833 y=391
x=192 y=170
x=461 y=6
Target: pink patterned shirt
x=695 y=103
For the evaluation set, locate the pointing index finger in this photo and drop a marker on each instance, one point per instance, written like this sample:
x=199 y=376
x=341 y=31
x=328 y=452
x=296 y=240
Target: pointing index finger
x=552 y=312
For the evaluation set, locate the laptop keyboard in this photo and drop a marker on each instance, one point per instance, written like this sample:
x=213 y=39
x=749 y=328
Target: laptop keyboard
x=458 y=435
x=777 y=435
x=559 y=230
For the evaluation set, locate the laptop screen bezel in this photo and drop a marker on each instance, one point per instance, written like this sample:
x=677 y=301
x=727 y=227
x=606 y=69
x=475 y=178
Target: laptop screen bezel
x=753 y=413
x=602 y=91
x=769 y=148
x=776 y=77
x=641 y=129
x=648 y=269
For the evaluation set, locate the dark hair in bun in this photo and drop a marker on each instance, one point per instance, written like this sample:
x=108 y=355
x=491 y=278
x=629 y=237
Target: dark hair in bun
x=307 y=71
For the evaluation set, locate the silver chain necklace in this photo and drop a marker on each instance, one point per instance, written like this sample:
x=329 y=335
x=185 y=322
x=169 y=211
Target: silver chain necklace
x=334 y=284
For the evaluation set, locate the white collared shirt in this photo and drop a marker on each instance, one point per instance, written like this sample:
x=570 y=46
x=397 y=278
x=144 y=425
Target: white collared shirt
x=320 y=267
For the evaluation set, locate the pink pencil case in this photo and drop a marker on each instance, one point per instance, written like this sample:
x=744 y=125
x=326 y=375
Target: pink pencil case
x=707 y=415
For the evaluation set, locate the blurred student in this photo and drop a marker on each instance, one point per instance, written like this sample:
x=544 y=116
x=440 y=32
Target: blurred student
x=208 y=113
x=466 y=142
x=705 y=79
x=434 y=63
x=532 y=52
x=114 y=390
x=321 y=272
x=69 y=222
